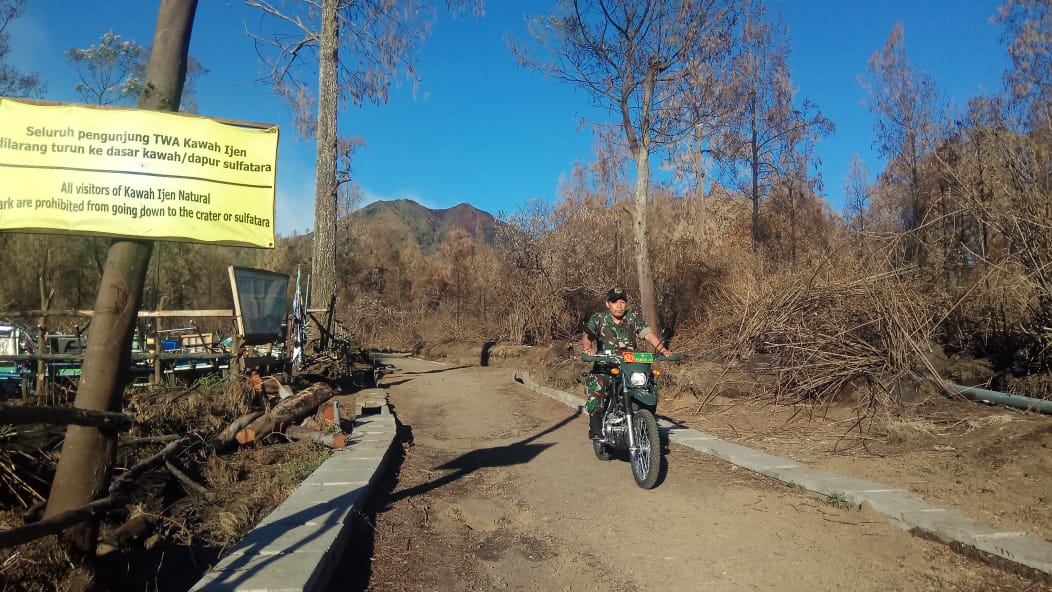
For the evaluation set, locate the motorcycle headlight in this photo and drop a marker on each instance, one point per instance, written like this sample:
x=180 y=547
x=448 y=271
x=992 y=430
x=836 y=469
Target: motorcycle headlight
x=638 y=379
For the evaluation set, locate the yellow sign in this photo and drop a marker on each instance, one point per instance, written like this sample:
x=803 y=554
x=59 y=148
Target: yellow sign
x=132 y=173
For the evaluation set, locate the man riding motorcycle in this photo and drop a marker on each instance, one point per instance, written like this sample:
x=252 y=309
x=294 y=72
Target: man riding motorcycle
x=618 y=329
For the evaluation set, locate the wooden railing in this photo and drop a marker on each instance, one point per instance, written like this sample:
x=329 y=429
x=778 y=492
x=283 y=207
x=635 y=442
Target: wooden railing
x=157 y=356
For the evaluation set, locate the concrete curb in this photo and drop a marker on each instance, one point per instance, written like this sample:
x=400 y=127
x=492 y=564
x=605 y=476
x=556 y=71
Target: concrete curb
x=1017 y=551
x=294 y=548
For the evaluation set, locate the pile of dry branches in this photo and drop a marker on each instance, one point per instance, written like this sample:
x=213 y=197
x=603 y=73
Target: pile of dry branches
x=828 y=337
x=182 y=478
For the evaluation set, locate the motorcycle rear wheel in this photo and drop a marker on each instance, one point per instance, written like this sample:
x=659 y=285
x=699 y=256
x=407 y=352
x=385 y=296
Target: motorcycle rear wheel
x=646 y=458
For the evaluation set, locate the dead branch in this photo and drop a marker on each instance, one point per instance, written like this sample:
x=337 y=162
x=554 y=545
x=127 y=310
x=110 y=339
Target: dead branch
x=149 y=440
x=172 y=396
x=56 y=524
x=128 y=476
x=19 y=414
x=190 y=485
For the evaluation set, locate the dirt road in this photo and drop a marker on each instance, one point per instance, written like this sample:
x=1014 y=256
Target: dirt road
x=496 y=488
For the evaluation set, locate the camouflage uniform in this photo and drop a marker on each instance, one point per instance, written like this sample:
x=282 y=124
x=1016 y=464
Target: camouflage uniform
x=609 y=336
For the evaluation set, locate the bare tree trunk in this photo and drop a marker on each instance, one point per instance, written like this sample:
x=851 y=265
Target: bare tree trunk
x=88 y=453
x=323 y=265
x=754 y=161
x=640 y=146
x=647 y=299
x=792 y=225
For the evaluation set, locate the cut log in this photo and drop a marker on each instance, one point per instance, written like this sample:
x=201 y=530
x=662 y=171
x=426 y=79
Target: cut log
x=330 y=439
x=227 y=436
x=329 y=414
x=287 y=412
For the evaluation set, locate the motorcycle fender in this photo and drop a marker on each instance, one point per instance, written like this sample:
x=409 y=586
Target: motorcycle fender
x=645 y=397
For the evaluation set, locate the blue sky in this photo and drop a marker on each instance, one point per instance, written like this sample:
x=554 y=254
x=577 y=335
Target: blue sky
x=481 y=130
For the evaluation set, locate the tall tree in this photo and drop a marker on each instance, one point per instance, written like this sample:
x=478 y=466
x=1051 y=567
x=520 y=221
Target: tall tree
x=14 y=83
x=796 y=159
x=856 y=194
x=353 y=50
x=457 y=257
x=1028 y=32
x=758 y=147
x=904 y=100
x=635 y=58
x=88 y=453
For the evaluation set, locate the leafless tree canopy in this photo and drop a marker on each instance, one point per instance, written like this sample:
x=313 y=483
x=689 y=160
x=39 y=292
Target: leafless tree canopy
x=948 y=250
x=13 y=82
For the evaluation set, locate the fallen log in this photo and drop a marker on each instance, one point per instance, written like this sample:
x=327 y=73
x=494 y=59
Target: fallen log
x=229 y=433
x=330 y=439
x=18 y=414
x=287 y=412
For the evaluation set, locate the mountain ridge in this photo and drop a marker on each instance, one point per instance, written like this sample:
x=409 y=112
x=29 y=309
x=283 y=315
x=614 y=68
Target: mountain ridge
x=406 y=219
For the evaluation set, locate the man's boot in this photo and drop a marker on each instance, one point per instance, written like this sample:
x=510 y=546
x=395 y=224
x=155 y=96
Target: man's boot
x=595 y=426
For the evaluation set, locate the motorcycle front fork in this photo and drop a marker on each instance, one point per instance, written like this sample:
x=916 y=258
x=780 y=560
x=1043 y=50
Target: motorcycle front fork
x=629 y=418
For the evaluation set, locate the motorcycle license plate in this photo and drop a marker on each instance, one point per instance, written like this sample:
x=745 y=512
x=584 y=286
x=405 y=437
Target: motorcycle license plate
x=639 y=357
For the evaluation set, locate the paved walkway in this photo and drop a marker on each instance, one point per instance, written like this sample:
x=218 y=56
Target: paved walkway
x=294 y=548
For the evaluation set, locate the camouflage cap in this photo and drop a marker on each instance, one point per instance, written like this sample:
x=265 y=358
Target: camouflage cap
x=616 y=293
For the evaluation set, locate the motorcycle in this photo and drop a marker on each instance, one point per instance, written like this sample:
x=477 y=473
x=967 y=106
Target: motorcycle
x=630 y=402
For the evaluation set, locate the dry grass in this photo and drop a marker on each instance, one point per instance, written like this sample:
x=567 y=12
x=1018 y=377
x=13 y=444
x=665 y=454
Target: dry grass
x=208 y=404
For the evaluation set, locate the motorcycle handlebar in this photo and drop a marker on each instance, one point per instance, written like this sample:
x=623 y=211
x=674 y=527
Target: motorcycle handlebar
x=614 y=358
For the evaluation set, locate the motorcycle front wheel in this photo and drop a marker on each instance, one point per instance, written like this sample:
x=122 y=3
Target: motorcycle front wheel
x=646 y=457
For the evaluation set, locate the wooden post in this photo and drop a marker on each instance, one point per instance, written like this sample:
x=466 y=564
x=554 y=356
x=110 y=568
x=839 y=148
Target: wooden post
x=41 y=344
x=42 y=340
x=237 y=364
x=158 y=375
